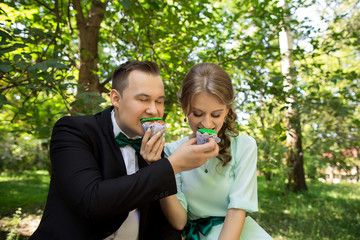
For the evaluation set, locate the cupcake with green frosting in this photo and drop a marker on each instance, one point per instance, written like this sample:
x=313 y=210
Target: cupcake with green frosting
x=155 y=124
x=203 y=135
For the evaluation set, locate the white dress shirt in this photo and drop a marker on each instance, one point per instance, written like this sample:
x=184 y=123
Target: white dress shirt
x=129 y=230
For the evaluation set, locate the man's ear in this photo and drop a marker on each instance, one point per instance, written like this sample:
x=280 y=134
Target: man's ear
x=115 y=97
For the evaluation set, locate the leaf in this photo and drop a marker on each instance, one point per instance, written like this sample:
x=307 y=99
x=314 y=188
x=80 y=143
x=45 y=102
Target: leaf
x=26 y=55
x=60 y=66
x=3 y=43
x=3 y=100
x=36 y=66
x=126 y=4
x=155 y=4
x=7 y=50
x=50 y=63
x=271 y=107
x=17 y=57
x=19 y=45
x=283 y=108
x=5 y=35
x=277 y=127
x=5 y=67
x=21 y=64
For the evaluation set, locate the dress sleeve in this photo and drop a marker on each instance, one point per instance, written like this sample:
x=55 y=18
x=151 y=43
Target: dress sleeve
x=168 y=150
x=243 y=193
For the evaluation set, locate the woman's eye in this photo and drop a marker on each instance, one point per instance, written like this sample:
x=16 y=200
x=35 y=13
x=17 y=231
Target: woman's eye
x=197 y=114
x=215 y=116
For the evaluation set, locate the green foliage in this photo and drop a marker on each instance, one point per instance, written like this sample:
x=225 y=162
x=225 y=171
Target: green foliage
x=21 y=151
x=16 y=218
x=330 y=80
x=39 y=65
x=34 y=74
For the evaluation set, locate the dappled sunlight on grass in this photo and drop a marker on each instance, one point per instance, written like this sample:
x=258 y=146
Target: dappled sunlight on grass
x=27 y=190
x=323 y=212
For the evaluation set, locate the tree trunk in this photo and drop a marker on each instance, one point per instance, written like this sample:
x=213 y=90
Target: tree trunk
x=88 y=32
x=266 y=172
x=294 y=155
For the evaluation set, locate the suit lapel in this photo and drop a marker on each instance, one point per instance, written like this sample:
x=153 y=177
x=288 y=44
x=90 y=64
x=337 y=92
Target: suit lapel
x=104 y=122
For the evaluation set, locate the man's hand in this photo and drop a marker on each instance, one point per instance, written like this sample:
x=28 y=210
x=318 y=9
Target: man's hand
x=151 y=149
x=189 y=155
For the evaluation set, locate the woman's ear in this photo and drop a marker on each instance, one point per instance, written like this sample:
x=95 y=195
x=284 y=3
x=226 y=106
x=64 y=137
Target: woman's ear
x=226 y=113
x=115 y=97
x=185 y=110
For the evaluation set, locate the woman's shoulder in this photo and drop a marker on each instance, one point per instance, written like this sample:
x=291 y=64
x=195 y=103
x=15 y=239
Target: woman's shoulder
x=243 y=148
x=243 y=141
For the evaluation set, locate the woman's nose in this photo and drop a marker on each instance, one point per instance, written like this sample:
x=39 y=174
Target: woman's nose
x=206 y=122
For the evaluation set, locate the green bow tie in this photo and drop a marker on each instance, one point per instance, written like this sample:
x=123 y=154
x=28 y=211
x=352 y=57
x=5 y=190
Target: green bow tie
x=202 y=225
x=123 y=141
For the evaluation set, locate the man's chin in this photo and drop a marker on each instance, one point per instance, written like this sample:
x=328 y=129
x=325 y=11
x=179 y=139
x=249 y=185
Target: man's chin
x=139 y=133
x=135 y=134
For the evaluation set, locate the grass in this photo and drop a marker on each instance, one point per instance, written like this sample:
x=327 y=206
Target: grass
x=22 y=200
x=325 y=211
x=26 y=190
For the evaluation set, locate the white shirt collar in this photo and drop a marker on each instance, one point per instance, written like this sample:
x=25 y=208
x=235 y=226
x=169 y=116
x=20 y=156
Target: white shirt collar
x=116 y=127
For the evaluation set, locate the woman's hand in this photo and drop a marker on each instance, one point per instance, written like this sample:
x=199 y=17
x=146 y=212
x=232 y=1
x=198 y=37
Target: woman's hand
x=151 y=149
x=189 y=155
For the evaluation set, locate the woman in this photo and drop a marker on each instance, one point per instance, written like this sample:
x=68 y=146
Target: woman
x=212 y=200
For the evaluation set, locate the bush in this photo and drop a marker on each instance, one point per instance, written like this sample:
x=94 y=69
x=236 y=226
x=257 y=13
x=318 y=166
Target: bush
x=23 y=152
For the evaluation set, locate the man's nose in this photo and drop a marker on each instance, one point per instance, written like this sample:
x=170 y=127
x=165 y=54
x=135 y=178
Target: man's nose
x=151 y=109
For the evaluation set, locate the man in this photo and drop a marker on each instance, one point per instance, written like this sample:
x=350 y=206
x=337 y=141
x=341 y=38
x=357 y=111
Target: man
x=102 y=188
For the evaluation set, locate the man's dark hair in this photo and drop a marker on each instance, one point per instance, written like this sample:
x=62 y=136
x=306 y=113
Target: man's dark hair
x=120 y=75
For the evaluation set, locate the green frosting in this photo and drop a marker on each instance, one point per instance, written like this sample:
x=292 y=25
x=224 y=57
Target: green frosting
x=209 y=131
x=150 y=119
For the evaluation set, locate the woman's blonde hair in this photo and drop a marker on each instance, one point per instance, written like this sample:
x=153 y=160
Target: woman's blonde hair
x=213 y=79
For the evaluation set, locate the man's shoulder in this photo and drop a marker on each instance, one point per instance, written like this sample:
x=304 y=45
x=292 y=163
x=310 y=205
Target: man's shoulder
x=88 y=123
x=86 y=118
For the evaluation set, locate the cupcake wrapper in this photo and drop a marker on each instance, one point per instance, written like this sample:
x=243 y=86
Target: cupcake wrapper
x=155 y=127
x=202 y=138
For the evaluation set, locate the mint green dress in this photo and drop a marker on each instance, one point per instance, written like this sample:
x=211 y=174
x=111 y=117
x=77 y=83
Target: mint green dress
x=210 y=190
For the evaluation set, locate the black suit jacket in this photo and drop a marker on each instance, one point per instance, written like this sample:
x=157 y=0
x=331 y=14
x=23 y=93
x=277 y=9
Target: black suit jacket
x=90 y=193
